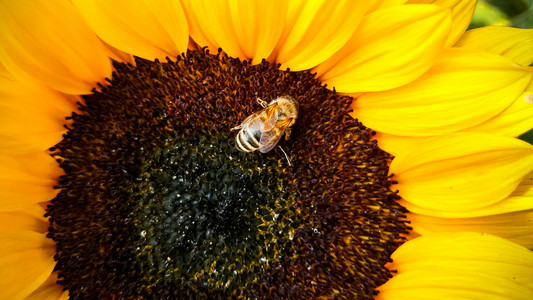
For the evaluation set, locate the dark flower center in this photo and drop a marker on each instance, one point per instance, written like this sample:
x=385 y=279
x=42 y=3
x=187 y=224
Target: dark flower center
x=209 y=215
x=156 y=201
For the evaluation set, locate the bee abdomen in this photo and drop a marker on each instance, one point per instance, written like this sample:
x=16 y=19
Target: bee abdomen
x=247 y=141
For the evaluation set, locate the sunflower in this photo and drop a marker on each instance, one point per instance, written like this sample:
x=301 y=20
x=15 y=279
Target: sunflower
x=401 y=177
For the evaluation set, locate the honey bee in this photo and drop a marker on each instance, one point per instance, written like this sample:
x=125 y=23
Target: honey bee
x=263 y=129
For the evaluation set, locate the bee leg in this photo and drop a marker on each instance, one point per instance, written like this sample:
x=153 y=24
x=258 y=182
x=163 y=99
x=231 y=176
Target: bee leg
x=264 y=104
x=287 y=133
x=236 y=128
x=286 y=156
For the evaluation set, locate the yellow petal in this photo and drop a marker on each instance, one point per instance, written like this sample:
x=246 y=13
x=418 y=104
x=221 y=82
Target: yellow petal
x=315 y=30
x=446 y=283
x=32 y=115
x=31 y=218
x=513 y=43
x=462 y=11
x=515 y=227
x=381 y=4
x=391 y=47
x=512 y=122
x=118 y=55
x=518 y=200
x=50 y=290
x=148 y=29
x=48 y=40
x=244 y=29
x=395 y=144
x=26 y=260
x=214 y=20
x=462 y=171
x=515 y=120
x=258 y=26
x=464 y=88
x=462 y=265
x=509 y=218
x=26 y=180
x=197 y=29
x=475 y=251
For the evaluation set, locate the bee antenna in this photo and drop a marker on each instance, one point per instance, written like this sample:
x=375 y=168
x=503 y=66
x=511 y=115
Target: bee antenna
x=286 y=156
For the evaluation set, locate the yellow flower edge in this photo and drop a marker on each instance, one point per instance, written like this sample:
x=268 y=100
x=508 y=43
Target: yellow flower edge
x=460 y=265
x=508 y=218
x=461 y=172
x=84 y=63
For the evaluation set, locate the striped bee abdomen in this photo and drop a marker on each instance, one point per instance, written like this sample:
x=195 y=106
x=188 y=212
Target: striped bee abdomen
x=247 y=140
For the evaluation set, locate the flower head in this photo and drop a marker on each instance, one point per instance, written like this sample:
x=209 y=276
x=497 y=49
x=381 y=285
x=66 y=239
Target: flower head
x=124 y=179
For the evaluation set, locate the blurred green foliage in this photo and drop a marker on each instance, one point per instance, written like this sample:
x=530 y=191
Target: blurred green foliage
x=514 y=13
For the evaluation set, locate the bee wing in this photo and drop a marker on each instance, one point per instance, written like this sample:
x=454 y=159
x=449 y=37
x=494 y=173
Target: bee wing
x=271 y=119
x=270 y=138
